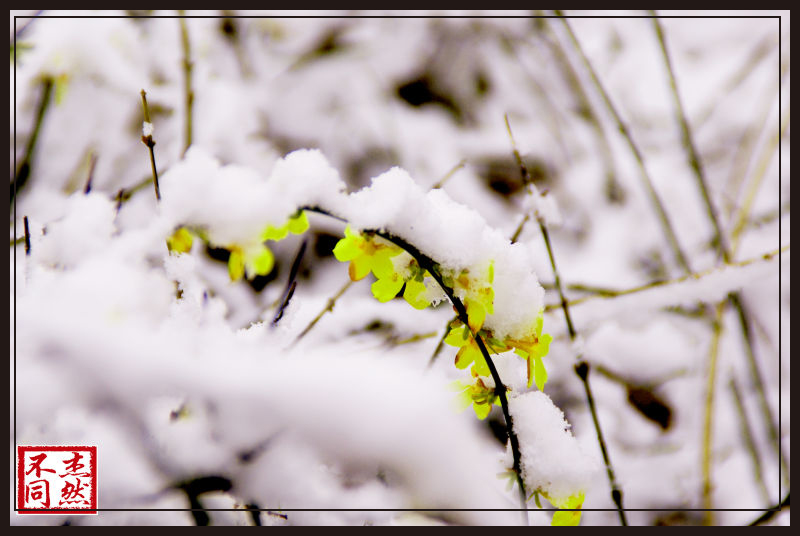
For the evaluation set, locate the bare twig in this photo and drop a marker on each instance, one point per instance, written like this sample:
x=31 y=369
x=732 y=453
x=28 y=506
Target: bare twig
x=757 y=54
x=747 y=435
x=743 y=154
x=755 y=375
x=772 y=512
x=708 y=518
x=187 y=81
x=446 y=177
x=727 y=251
x=655 y=200
x=762 y=165
x=291 y=283
x=24 y=169
x=147 y=139
x=581 y=367
x=614 y=190
x=689 y=146
x=27 y=235
x=328 y=308
x=610 y=294
x=90 y=177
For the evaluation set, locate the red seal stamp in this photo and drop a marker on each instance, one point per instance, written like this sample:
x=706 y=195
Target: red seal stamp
x=56 y=480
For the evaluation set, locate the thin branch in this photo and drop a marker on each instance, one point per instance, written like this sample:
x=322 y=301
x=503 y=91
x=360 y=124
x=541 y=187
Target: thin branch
x=758 y=176
x=440 y=344
x=187 y=81
x=332 y=301
x=743 y=153
x=689 y=146
x=25 y=26
x=90 y=177
x=772 y=512
x=581 y=367
x=291 y=283
x=611 y=294
x=755 y=374
x=708 y=518
x=27 y=236
x=328 y=308
x=514 y=239
x=757 y=54
x=147 y=139
x=446 y=177
x=426 y=263
x=614 y=190
x=747 y=436
x=727 y=252
x=24 y=170
x=655 y=200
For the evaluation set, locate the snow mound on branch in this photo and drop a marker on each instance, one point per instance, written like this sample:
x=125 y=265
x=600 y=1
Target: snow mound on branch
x=235 y=203
x=456 y=237
x=200 y=192
x=552 y=461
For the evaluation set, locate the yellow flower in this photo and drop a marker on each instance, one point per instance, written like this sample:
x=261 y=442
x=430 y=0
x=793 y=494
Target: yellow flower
x=478 y=395
x=256 y=258
x=251 y=261
x=567 y=519
x=366 y=254
x=180 y=241
x=469 y=351
x=533 y=348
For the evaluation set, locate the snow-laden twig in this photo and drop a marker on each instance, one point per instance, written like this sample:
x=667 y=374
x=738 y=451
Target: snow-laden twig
x=723 y=272
x=581 y=367
x=427 y=263
x=147 y=139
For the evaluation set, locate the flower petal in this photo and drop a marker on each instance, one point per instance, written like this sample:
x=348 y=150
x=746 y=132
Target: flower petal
x=298 y=224
x=457 y=337
x=539 y=373
x=464 y=357
x=180 y=241
x=262 y=263
x=387 y=288
x=476 y=312
x=359 y=268
x=275 y=233
x=415 y=294
x=236 y=264
x=482 y=410
x=347 y=249
x=382 y=265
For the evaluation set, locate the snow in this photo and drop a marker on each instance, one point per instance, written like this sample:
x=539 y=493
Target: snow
x=552 y=460
x=112 y=334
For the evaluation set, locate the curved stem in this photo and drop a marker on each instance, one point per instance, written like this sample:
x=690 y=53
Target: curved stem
x=431 y=266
